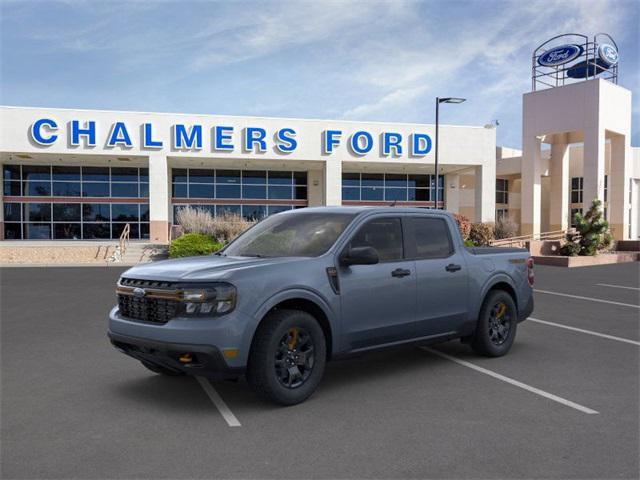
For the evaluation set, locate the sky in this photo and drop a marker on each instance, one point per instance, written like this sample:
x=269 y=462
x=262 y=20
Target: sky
x=345 y=60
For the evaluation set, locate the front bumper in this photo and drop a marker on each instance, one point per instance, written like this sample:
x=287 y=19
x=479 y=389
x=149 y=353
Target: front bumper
x=212 y=337
x=207 y=360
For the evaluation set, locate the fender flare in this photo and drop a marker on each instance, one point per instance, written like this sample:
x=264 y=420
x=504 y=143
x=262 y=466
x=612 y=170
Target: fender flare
x=294 y=294
x=489 y=284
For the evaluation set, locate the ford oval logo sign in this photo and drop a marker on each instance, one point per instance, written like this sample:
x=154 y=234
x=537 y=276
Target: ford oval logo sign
x=560 y=55
x=608 y=54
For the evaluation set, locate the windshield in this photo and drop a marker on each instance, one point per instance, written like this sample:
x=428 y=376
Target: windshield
x=300 y=234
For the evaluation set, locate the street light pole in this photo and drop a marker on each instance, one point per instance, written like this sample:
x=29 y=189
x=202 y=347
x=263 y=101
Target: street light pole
x=438 y=102
x=435 y=201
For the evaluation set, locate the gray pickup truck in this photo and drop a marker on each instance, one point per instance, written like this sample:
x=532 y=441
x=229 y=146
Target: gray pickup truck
x=307 y=286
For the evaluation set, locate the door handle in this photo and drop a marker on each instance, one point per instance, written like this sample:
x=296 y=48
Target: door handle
x=400 y=272
x=452 y=267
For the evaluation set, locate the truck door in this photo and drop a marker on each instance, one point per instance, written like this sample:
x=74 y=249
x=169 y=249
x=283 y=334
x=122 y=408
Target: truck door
x=441 y=276
x=378 y=301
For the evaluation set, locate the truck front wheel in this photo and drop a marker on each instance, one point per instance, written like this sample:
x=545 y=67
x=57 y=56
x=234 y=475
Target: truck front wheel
x=287 y=357
x=497 y=325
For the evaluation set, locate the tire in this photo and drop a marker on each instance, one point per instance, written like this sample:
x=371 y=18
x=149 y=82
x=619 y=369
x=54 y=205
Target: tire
x=287 y=358
x=161 y=370
x=497 y=325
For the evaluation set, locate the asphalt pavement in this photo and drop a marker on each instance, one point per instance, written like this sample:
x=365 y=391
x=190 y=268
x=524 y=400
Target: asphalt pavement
x=564 y=403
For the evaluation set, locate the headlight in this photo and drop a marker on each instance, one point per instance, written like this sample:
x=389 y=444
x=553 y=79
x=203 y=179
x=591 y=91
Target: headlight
x=210 y=300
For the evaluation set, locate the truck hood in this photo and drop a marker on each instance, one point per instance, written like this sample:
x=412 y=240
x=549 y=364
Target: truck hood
x=211 y=267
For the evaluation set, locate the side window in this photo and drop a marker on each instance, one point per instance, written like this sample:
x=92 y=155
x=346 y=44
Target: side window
x=383 y=234
x=432 y=237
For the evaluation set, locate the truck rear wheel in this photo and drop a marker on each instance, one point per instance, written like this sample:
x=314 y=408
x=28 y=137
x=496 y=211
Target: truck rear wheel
x=497 y=324
x=287 y=357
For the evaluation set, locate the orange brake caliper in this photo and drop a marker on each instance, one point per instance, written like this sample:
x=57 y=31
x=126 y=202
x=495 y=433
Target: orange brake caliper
x=293 y=341
x=501 y=310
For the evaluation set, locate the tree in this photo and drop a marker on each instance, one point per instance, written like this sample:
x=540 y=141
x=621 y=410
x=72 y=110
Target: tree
x=592 y=233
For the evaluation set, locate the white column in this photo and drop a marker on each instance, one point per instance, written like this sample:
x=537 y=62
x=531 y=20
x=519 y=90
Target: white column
x=531 y=179
x=593 y=166
x=159 y=198
x=485 y=192
x=315 y=188
x=559 y=204
x=333 y=182
x=618 y=190
x=452 y=192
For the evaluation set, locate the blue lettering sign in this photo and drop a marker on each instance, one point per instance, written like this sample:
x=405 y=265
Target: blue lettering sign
x=187 y=139
x=357 y=146
x=37 y=134
x=255 y=136
x=391 y=140
x=147 y=138
x=89 y=132
x=119 y=136
x=286 y=142
x=421 y=144
x=222 y=135
x=331 y=140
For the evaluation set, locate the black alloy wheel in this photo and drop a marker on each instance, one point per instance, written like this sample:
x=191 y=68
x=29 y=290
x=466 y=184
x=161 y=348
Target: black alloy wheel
x=294 y=358
x=497 y=325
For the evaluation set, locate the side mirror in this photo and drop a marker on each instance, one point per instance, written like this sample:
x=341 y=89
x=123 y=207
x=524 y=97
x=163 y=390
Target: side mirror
x=360 y=256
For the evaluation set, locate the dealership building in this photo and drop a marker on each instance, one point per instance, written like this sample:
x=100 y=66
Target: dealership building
x=85 y=174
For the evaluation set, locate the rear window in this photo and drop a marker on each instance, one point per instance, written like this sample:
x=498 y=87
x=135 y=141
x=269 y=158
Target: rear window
x=431 y=237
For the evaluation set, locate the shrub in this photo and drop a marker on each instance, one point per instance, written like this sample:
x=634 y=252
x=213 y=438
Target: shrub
x=228 y=226
x=223 y=228
x=464 y=225
x=193 y=244
x=195 y=220
x=481 y=234
x=505 y=228
x=592 y=233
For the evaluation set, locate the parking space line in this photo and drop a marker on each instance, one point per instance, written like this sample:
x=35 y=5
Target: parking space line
x=217 y=400
x=581 y=330
x=616 y=286
x=588 y=298
x=513 y=382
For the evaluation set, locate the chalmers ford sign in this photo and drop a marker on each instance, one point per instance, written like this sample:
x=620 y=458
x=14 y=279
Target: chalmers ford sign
x=220 y=138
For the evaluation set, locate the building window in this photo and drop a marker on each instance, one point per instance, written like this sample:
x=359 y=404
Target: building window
x=502 y=213
x=253 y=194
x=502 y=190
x=606 y=187
x=390 y=187
x=84 y=206
x=576 y=189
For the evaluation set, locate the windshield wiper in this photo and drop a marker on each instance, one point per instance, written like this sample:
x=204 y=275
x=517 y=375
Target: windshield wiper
x=256 y=255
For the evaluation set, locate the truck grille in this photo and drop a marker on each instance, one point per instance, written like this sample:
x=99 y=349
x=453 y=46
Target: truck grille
x=155 y=306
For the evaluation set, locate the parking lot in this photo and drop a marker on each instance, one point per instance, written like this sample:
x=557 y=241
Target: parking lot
x=563 y=404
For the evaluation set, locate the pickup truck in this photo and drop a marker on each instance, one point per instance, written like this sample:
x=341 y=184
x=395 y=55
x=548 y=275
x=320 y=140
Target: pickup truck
x=306 y=286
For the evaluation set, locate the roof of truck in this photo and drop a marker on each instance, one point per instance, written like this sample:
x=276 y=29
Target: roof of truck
x=372 y=209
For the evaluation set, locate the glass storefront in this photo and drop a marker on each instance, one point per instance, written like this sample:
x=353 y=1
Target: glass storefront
x=77 y=202
x=253 y=194
x=389 y=187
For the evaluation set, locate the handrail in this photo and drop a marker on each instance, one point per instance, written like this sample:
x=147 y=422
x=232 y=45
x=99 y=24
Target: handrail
x=551 y=235
x=123 y=241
